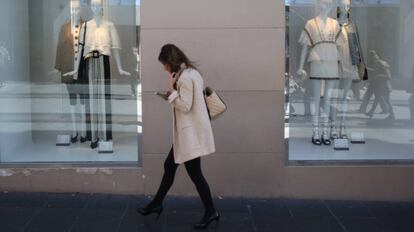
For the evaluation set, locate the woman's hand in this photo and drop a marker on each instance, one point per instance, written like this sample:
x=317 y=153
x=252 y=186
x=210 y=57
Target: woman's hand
x=171 y=81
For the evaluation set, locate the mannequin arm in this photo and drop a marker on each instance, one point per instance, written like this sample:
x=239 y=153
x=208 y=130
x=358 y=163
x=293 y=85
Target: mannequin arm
x=303 y=55
x=70 y=73
x=53 y=72
x=76 y=68
x=117 y=58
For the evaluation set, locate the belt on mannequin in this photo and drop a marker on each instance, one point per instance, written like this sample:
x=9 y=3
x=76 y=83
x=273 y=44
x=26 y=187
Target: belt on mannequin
x=94 y=54
x=323 y=42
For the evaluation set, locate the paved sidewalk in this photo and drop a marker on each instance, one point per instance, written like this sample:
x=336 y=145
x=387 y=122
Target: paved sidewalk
x=98 y=212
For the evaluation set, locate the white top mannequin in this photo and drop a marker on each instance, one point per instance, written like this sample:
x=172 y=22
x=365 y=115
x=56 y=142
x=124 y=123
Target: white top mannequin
x=321 y=38
x=102 y=36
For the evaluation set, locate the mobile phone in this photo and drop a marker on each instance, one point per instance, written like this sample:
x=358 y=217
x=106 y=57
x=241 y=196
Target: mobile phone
x=162 y=95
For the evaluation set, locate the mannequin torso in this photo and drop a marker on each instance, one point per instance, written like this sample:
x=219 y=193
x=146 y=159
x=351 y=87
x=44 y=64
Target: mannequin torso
x=101 y=36
x=322 y=37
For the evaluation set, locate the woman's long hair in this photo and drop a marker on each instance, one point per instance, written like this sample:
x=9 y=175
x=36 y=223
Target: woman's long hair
x=172 y=56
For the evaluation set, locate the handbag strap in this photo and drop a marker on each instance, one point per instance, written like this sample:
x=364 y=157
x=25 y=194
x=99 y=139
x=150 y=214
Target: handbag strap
x=83 y=41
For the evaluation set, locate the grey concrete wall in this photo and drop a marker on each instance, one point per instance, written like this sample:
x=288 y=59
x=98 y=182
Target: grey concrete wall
x=239 y=46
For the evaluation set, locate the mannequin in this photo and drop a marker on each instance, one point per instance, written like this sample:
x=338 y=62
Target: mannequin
x=67 y=56
x=352 y=61
x=101 y=42
x=321 y=38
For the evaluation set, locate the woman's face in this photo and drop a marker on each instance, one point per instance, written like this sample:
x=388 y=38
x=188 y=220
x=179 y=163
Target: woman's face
x=167 y=68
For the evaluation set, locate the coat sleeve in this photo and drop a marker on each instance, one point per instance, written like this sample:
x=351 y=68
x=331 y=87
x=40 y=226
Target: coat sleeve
x=182 y=99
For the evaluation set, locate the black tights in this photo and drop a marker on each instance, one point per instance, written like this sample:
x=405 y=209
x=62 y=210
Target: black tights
x=193 y=168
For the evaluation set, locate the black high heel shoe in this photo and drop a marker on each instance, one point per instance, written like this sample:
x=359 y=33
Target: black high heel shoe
x=74 y=139
x=206 y=220
x=83 y=139
x=145 y=211
x=95 y=144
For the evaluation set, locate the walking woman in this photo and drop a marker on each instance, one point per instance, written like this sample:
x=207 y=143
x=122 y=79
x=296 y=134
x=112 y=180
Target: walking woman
x=192 y=132
x=383 y=88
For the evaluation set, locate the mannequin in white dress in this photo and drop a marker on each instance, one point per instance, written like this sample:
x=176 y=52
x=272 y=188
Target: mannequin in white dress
x=321 y=40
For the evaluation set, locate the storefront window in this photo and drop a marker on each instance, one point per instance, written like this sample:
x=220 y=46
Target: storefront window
x=69 y=81
x=350 y=80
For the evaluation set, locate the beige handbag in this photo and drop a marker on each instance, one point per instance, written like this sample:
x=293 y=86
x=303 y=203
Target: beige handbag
x=215 y=105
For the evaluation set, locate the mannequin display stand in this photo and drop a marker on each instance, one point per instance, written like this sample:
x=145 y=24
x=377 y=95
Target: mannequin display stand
x=321 y=39
x=105 y=147
x=341 y=144
x=357 y=138
x=63 y=140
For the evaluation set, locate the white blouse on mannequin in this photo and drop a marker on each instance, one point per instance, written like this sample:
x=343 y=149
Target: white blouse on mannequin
x=323 y=43
x=102 y=38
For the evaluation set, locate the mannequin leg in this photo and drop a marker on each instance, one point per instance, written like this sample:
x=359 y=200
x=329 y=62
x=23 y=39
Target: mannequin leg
x=347 y=86
x=83 y=122
x=316 y=98
x=344 y=103
x=336 y=122
x=328 y=101
x=93 y=104
x=74 y=137
x=308 y=97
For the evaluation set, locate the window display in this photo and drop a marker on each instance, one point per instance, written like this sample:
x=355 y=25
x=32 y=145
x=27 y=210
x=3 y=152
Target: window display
x=71 y=86
x=344 y=58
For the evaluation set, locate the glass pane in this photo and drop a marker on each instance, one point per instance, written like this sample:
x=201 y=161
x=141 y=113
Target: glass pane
x=49 y=117
x=363 y=105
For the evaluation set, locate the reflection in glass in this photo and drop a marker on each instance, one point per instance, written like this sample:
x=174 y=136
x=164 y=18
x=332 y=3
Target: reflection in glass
x=42 y=106
x=373 y=100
